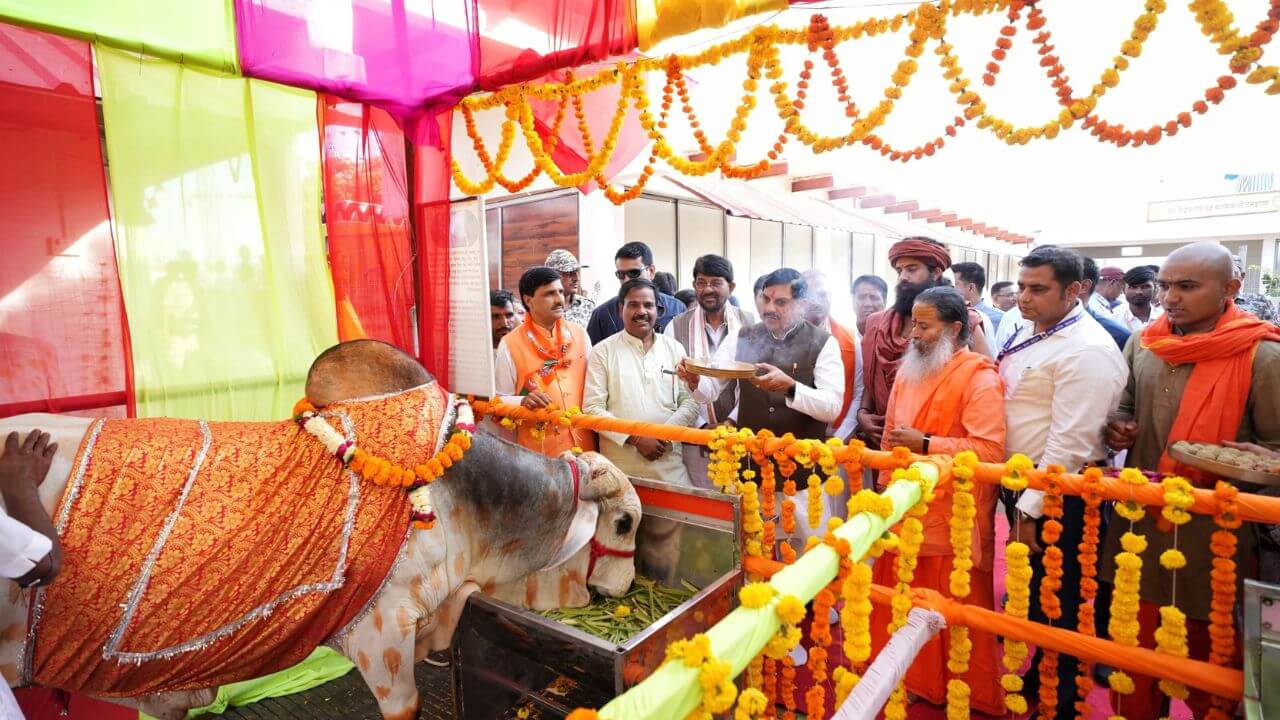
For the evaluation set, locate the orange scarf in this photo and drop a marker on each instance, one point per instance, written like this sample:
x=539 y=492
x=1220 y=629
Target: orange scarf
x=945 y=403
x=554 y=354
x=1213 y=402
x=849 y=356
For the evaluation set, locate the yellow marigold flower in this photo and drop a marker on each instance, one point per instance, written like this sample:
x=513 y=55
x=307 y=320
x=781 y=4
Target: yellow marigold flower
x=756 y=594
x=621 y=611
x=1136 y=544
x=790 y=610
x=1173 y=560
x=1015 y=703
x=1133 y=476
x=1011 y=683
x=1121 y=682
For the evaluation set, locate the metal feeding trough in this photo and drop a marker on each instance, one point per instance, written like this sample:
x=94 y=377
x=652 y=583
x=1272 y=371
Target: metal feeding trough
x=514 y=663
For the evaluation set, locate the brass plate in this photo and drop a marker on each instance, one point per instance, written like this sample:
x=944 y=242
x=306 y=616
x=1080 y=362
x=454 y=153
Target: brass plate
x=1222 y=469
x=734 y=371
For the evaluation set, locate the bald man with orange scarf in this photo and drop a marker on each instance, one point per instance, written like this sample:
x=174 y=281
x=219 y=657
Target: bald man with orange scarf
x=1205 y=371
x=919 y=263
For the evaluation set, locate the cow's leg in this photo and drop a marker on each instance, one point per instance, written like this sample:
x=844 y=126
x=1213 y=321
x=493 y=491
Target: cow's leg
x=382 y=647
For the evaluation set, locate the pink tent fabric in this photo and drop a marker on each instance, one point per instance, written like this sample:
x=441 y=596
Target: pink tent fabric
x=389 y=53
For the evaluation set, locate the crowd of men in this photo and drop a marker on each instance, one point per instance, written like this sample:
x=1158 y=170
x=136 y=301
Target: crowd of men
x=1071 y=365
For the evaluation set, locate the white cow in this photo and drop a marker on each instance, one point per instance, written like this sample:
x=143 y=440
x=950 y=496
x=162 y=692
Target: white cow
x=507 y=517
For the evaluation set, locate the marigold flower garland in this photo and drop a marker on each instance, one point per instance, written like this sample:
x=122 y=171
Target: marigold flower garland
x=911 y=536
x=715 y=676
x=1018 y=587
x=1171 y=636
x=1091 y=493
x=1050 y=603
x=383 y=472
x=820 y=634
x=963 y=512
x=1124 y=626
x=1222 y=632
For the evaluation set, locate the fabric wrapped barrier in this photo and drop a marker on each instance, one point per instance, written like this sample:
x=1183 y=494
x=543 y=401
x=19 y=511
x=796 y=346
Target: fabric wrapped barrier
x=673 y=690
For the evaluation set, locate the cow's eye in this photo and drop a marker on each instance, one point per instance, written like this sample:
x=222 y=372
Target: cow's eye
x=623 y=524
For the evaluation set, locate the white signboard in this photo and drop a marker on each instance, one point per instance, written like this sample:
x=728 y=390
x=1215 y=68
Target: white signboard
x=470 y=335
x=1239 y=204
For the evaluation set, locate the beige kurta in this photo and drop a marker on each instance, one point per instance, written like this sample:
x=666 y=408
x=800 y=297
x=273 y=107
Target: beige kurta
x=1152 y=397
x=626 y=381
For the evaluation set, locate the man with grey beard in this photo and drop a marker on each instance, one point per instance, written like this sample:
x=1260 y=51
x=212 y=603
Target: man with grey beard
x=947 y=400
x=919 y=263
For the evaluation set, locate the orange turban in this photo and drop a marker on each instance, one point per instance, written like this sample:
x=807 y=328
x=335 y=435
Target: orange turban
x=931 y=252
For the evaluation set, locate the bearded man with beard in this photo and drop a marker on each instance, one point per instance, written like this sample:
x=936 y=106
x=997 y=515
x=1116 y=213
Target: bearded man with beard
x=947 y=400
x=919 y=263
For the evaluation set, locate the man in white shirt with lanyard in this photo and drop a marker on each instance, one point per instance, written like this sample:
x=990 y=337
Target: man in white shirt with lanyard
x=1063 y=375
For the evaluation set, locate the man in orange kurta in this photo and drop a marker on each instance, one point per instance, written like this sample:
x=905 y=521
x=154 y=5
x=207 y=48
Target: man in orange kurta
x=543 y=364
x=946 y=400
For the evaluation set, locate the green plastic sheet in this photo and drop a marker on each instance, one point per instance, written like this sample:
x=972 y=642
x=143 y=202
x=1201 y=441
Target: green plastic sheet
x=672 y=691
x=322 y=666
x=197 y=32
x=215 y=184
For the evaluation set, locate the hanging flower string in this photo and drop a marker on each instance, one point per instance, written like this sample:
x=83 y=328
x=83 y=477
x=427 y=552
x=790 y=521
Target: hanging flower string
x=1091 y=494
x=963 y=511
x=1050 y=603
x=761 y=46
x=1222 y=633
x=383 y=472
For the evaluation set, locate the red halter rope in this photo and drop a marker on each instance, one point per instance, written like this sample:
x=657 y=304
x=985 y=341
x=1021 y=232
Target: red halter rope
x=598 y=550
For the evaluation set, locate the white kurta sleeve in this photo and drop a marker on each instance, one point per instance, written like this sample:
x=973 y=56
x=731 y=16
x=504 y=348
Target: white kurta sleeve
x=710 y=388
x=20 y=547
x=595 y=395
x=823 y=401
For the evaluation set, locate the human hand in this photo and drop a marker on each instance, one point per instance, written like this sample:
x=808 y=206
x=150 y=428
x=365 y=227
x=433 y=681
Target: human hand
x=871 y=426
x=536 y=400
x=649 y=448
x=906 y=437
x=24 y=464
x=1121 y=434
x=1255 y=449
x=689 y=378
x=773 y=379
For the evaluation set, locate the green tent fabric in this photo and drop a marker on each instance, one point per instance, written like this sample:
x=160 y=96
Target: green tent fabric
x=198 y=32
x=323 y=665
x=215 y=183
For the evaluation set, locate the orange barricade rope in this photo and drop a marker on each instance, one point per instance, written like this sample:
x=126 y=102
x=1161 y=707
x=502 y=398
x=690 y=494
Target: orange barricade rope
x=1253 y=508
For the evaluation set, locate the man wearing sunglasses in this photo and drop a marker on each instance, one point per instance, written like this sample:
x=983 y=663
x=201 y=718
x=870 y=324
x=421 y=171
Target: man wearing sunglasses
x=633 y=261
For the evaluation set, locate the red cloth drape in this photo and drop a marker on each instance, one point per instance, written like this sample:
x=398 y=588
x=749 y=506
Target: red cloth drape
x=62 y=344
x=431 y=184
x=366 y=205
x=521 y=41
x=599 y=108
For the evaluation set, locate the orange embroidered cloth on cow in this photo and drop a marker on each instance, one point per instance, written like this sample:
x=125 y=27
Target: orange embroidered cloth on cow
x=259 y=517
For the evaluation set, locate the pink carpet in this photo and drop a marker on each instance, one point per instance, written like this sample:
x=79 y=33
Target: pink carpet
x=1099 y=702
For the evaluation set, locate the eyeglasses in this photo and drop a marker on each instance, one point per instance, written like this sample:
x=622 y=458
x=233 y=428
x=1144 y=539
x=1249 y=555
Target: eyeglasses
x=712 y=284
x=631 y=274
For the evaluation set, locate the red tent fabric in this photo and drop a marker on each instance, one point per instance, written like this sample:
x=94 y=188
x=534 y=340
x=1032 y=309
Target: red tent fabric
x=62 y=336
x=366 y=203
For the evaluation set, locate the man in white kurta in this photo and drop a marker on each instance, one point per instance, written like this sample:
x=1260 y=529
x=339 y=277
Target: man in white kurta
x=631 y=375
